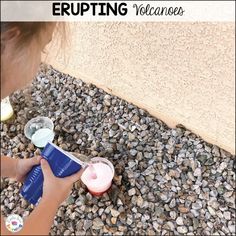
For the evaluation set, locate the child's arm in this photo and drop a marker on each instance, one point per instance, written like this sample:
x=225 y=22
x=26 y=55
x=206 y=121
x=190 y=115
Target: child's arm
x=17 y=168
x=8 y=167
x=39 y=222
x=55 y=191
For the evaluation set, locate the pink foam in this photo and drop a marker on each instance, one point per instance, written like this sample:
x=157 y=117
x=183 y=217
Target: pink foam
x=104 y=176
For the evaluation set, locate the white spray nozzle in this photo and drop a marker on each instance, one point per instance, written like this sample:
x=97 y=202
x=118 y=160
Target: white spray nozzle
x=92 y=170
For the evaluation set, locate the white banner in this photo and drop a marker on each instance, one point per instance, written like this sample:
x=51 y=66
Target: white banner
x=118 y=11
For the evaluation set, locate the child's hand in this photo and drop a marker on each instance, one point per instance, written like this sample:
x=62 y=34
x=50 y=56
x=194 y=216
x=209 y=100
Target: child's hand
x=56 y=189
x=23 y=166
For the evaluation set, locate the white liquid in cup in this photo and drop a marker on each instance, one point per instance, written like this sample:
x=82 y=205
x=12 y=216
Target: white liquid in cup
x=42 y=136
x=40 y=131
x=104 y=176
x=6 y=109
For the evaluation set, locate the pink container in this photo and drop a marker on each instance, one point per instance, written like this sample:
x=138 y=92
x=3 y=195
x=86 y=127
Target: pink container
x=104 y=172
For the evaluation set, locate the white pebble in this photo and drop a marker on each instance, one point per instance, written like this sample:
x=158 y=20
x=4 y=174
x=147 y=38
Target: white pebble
x=180 y=221
x=227 y=215
x=131 y=192
x=197 y=172
x=211 y=210
x=182 y=229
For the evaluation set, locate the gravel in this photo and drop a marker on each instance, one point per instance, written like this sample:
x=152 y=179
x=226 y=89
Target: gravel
x=168 y=180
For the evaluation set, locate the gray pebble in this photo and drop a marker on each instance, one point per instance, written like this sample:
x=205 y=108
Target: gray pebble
x=133 y=152
x=211 y=211
x=197 y=205
x=87 y=224
x=97 y=223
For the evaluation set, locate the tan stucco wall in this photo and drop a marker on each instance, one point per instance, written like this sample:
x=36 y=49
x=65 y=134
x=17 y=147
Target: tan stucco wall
x=182 y=73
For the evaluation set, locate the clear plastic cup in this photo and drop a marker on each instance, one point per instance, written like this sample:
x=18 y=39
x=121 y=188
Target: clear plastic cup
x=104 y=172
x=40 y=131
x=6 y=109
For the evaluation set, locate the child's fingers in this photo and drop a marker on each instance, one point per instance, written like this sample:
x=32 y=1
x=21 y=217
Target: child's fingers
x=31 y=161
x=36 y=160
x=75 y=177
x=47 y=172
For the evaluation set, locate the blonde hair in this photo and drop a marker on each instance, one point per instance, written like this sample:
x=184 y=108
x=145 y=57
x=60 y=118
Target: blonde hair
x=31 y=30
x=28 y=31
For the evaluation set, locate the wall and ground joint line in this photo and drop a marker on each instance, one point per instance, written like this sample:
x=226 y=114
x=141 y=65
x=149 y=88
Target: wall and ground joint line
x=182 y=73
